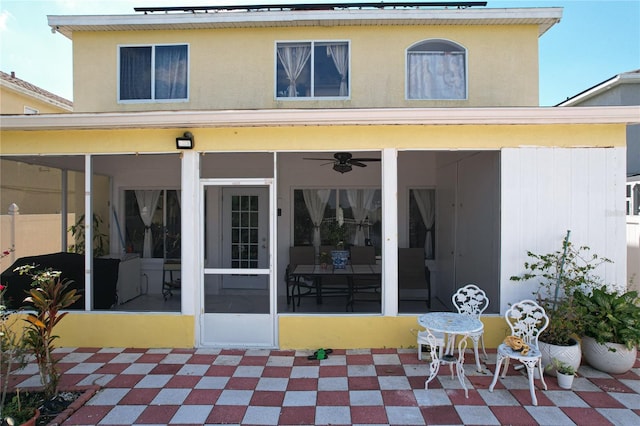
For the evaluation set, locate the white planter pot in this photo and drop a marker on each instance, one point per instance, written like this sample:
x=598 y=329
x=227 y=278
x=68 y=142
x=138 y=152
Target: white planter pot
x=571 y=355
x=565 y=381
x=601 y=358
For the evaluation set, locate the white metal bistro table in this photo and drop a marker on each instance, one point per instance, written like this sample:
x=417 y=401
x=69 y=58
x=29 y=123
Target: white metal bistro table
x=451 y=325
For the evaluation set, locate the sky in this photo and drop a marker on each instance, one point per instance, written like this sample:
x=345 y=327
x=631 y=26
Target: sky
x=594 y=41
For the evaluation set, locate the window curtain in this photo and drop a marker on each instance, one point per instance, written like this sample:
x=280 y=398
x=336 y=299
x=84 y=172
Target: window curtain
x=147 y=204
x=135 y=73
x=293 y=60
x=425 y=200
x=316 y=201
x=360 y=201
x=436 y=75
x=340 y=55
x=171 y=72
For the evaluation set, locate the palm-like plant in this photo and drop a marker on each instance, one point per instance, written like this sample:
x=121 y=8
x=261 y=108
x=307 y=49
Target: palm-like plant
x=49 y=295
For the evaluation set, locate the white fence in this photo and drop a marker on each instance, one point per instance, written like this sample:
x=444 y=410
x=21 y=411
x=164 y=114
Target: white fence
x=30 y=235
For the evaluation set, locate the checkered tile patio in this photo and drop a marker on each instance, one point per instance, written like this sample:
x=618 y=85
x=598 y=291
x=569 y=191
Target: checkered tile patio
x=372 y=386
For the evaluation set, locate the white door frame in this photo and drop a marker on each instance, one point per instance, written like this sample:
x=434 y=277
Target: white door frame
x=238 y=330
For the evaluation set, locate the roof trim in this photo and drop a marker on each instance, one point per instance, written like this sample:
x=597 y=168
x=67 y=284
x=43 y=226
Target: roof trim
x=324 y=117
x=544 y=18
x=624 y=78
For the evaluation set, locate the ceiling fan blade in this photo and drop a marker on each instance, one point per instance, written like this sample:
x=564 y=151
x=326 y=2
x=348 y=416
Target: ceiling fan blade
x=357 y=163
x=323 y=159
x=365 y=159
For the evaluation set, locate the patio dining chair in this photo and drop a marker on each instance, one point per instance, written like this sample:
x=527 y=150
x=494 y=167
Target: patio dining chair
x=365 y=288
x=413 y=276
x=472 y=300
x=299 y=255
x=527 y=320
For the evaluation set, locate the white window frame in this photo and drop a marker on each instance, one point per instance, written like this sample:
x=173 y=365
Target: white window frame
x=466 y=70
x=153 y=68
x=312 y=78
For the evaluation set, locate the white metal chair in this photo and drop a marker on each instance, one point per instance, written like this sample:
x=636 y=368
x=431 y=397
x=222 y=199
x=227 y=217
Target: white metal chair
x=527 y=320
x=473 y=301
x=441 y=356
x=425 y=339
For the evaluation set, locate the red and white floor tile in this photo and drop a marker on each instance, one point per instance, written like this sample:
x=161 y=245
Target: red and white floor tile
x=372 y=386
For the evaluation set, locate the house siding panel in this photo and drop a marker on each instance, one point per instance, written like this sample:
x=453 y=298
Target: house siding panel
x=538 y=207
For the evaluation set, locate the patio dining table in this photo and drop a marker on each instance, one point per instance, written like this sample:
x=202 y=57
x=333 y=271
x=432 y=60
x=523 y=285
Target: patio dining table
x=349 y=272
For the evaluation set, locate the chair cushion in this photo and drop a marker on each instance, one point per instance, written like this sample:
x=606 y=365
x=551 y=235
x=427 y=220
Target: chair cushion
x=506 y=350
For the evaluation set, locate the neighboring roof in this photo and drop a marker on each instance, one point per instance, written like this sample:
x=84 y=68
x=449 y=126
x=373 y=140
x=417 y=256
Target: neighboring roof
x=325 y=117
x=544 y=18
x=624 y=78
x=14 y=83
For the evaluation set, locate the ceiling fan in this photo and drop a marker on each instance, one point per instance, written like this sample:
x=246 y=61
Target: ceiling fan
x=343 y=161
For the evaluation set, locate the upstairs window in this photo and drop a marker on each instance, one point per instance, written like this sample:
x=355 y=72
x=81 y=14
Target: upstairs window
x=312 y=69
x=436 y=69
x=150 y=73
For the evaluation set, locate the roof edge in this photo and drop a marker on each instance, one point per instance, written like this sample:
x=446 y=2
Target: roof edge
x=545 y=18
x=324 y=117
x=13 y=83
x=623 y=78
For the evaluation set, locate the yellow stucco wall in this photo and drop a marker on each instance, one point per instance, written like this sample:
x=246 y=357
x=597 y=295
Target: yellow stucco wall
x=314 y=137
x=234 y=68
x=312 y=332
x=296 y=332
x=12 y=102
x=142 y=330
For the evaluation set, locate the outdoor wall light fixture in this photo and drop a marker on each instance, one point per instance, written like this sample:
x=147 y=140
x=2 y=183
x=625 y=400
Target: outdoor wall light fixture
x=185 y=141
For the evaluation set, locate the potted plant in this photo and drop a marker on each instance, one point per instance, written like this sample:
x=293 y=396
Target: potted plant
x=564 y=373
x=561 y=275
x=611 y=329
x=99 y=238
x=336 y=234
x=325 y=259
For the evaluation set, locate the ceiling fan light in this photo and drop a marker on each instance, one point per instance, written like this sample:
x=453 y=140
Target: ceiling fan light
x=342 y=168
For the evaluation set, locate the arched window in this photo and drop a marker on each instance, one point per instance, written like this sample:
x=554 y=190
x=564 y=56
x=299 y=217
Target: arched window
x=436 y=69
